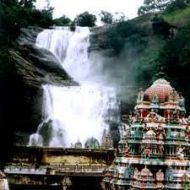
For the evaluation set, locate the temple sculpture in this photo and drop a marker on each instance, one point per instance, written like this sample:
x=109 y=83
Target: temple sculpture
x=153 y=153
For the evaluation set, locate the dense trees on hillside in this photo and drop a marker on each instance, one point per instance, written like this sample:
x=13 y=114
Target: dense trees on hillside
x=153 y=5
x=122 y=32
x=167 y=47
x=174 y=58
x=177 y=4
x=161 y=27
x=161 y=5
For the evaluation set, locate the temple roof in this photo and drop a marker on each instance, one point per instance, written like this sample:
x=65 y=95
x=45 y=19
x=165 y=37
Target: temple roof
x=160 y=88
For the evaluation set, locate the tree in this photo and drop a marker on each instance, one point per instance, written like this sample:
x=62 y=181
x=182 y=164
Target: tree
x=85 y=19
x=153 y=6
x=62 y=21
x=121 y=32
x=106 y=17
x=17 y=14
x=27 y=3
x=119 y=17
x=176 y=5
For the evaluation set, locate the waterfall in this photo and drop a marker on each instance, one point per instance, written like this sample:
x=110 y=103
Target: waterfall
x=70 y=48
x=76 y=113
x=4 y=184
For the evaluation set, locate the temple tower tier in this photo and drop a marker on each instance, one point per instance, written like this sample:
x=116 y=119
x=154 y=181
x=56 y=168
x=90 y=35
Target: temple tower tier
x=154 y=150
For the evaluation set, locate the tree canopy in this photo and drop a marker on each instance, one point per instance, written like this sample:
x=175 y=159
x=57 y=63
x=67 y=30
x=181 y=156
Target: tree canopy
x=174 y=58
x=161 y=5
x=153 y=6
x=106 y=17
x=63 y=21
x=85 y=19
x=16 y=14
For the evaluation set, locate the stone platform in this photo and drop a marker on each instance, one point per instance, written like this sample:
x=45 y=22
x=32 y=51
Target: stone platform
x=36 y=167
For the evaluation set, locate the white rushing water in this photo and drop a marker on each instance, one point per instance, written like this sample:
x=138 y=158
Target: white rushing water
x=77 y=112
x=70 y=48
x=4 y=184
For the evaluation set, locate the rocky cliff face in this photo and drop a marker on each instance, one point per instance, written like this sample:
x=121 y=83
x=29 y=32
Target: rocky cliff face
x=36 y=65
x=21 y=97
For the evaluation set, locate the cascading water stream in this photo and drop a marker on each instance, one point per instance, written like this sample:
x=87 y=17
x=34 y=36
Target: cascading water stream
x=4 y=184
x=77 y=113
x=71 y=49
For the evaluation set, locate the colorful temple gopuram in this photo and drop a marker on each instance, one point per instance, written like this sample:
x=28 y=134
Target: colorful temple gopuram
x=154 y=150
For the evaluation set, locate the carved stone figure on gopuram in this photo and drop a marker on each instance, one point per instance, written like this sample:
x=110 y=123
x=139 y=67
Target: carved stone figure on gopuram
x=154 y=151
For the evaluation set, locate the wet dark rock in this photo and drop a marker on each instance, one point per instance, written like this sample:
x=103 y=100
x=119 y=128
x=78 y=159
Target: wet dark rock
x=28 y=35
x=98 y=38
x=46 y=132
x=39 y=66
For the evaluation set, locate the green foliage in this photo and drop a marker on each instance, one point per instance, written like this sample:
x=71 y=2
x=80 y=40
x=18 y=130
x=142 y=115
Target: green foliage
x=153 y=6
x=17 y=14
x=176 y=51
x=122 y=32
x=115 y=41
x=85 y=19
x=137 y=41
x=27 y=3
x=14 y=15
x=174 y=58
x=106 y=17
x=176 y=5
x=178 y=18
x=62 y=21
x=167 y=6
x=147 y=68
x=160 y=26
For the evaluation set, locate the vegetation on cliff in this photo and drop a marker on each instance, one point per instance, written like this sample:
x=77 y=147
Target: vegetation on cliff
x=152 y=6
x=174 y=55
x=15 y=15
x=152 y=43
